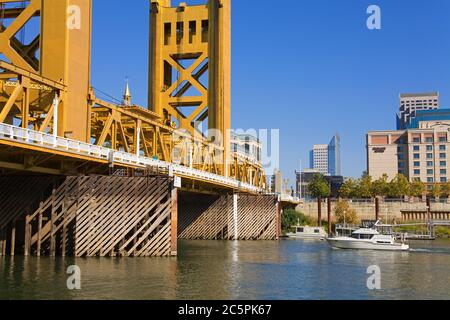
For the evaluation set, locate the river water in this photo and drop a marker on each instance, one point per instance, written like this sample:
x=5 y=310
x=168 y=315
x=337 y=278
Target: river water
x=287 y=269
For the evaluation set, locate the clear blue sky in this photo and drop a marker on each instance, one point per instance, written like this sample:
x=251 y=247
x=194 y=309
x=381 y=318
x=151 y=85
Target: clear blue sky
x=310 y=68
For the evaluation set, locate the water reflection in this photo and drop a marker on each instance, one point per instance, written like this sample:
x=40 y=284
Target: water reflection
x=237 y=270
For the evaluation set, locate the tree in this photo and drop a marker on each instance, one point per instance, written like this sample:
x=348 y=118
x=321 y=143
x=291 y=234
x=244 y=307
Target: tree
x=364 y=186
x=319 y=189
x=445 y=189
x=380 y=187
x=399 y=186
x=291 y=218
x=435 y=191
x=417 y=188
x=344 y=214
x=348 y=188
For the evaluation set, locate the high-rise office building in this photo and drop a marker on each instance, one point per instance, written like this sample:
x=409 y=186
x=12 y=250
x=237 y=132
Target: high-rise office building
x=319 y=158
x=411 y=103
x=334 y=156
x=326 y=158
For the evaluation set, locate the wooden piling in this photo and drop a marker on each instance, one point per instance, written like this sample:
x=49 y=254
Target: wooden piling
x=39 y=238
x=319 y=212
x=27 y=242
x=64 y=231
x=53 y=227
x=13 y=238
x=377 y=208
x=329 y=215
x=2 y=243
x=174 y=223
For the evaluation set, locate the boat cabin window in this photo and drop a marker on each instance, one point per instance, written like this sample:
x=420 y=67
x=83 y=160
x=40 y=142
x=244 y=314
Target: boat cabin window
x=300 y=230
x=316 y=231
x=362 y=236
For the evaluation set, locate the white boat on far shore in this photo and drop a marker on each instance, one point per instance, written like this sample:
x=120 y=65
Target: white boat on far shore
x=306 y=232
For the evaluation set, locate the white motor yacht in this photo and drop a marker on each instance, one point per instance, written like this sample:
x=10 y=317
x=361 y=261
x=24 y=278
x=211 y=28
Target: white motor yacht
x=306 y=232
x=368 y=239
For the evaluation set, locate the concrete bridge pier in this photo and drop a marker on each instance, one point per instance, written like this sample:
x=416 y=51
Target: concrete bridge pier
x=228 y=217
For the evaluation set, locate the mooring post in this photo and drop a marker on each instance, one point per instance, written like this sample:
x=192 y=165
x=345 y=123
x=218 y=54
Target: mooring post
x=13 y=238
x=64 y=232
x=1 y=242
x=235 y=217
x=279 y=214
x=377 y=208
x=27 y=236
x=319 y=211
x=329 y=214
x=39 y=235
x=174 y=222
x=52 y=227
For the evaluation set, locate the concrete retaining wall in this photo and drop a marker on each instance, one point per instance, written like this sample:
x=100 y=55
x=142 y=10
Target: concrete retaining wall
x=366 y=210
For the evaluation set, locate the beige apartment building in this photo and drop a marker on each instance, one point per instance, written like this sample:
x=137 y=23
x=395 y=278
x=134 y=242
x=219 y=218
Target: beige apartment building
x=421 y=153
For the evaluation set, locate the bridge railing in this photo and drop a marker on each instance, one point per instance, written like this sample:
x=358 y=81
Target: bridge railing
x=42 y=139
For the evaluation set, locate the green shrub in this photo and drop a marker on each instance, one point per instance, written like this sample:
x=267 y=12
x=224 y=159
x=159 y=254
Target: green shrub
x=290 y=218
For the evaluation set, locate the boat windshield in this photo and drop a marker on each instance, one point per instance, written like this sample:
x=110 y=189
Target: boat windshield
x=362 y=236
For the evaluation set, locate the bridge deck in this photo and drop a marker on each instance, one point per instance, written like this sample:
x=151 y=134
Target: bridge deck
x=17 y=137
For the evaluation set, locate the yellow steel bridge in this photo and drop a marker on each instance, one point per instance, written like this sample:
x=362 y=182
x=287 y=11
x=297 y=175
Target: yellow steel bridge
x=52 y=122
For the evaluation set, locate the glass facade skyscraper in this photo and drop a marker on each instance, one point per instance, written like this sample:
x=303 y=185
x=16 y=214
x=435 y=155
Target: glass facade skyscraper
x=334 y=156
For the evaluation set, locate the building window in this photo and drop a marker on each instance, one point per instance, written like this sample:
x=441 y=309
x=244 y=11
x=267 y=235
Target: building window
x=430 y=171
x=416 y=156
x=401 y=156
x=416 y=139
x=443 y=180
x=430 y=180
x=416 y=164
x=442 y=139
x=416 y=148
x=429 y=139
x=442 y=148
x=430 y=163
x=443 y=171
x=429 y=156
x=417 y=172
x=401 y=164
x=442 y=155
x=400 y=149
x=429 y=148
x=443 y=163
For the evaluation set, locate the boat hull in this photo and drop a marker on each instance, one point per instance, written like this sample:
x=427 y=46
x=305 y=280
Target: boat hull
x=366 y=245
x=306 y=236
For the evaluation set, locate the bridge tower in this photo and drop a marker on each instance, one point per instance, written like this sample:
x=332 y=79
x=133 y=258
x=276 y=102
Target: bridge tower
x=48 y=42
x=188 y=43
